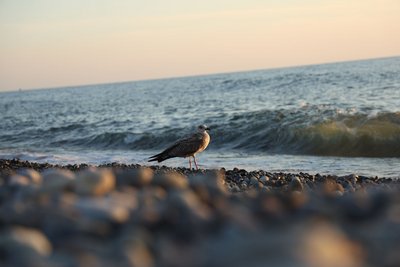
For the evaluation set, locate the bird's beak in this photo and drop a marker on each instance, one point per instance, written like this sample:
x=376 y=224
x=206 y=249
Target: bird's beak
x=208 y=129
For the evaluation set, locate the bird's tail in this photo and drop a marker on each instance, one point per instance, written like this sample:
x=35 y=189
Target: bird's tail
x=159 y=157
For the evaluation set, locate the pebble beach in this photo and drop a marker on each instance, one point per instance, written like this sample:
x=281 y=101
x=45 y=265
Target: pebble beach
x=131 y=215
x=287 y=111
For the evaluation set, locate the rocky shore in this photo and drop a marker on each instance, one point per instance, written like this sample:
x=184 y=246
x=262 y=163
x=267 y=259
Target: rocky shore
x=131 y=215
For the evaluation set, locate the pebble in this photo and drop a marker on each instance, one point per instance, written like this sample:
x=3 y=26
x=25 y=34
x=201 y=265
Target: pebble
x=95 y=182
x=211 y=183
x=131 y=215
x=253 y=182
x=55 y=180
x=354 y=179
x=320 y=240
x=264 y=179
x=34 y=176
x=170 y=179
x=186 y=202
x=139 y=177
x=24 y=239
x=102 y=209
x=19 y=180
x=139 y=254
x=296 y=184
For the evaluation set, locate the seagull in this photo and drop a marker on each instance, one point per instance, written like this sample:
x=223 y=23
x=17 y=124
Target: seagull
x=186 y=147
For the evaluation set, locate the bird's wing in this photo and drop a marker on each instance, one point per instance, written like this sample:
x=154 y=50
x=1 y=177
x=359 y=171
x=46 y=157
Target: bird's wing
x=186 y=146
x=181 y=148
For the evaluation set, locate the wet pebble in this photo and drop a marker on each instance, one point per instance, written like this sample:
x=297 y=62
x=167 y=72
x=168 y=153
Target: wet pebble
x=264 y=179
x=295 y=184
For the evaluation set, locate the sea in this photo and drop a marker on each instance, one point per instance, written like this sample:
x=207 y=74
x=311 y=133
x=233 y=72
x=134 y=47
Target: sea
x=338 y=118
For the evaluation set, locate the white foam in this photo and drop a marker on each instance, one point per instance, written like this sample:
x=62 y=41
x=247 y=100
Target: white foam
x=381 y=167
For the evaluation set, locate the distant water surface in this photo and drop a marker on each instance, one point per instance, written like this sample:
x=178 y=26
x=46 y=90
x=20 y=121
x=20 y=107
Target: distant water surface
x=334 y=118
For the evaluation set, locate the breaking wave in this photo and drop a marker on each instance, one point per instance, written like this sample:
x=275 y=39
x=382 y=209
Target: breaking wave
x=288 y=132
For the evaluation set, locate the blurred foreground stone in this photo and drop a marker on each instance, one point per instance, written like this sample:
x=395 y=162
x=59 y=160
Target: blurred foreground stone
x=130 y=215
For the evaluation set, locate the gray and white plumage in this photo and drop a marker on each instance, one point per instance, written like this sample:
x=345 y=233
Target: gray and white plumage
x=186 y=147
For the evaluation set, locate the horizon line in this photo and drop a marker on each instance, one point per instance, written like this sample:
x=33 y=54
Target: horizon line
x=195 y=75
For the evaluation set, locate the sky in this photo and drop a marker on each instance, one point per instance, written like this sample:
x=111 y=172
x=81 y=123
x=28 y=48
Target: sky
x=47 y=43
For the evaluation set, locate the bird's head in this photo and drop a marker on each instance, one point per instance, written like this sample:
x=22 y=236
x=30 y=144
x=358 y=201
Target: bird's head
x=202 y=128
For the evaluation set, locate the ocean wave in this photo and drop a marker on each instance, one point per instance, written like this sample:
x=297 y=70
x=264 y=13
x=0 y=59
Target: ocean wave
x=358 y=135
x=320 y=130
x=286 y=132
x=352 y=137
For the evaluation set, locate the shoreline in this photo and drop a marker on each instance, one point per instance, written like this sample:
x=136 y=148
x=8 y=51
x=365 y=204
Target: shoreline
x=235 y=175
x=216 y=159
x=132 y=215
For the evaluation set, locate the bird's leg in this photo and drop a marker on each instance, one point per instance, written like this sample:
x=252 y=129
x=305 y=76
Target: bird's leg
x=190 y=164
x=195 y=163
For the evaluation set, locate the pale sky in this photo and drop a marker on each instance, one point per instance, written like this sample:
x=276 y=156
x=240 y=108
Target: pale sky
x=47 y=43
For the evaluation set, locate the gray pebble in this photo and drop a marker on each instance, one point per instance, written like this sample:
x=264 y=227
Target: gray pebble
x=18 y=239
x=295 y=184
x=101 y=210
x=19 y=180
x=171 y=179
x=264 y=179
x=253 y=181
x=94 y=182
x=57 y=179
x=139 y=177
x=34 y=176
